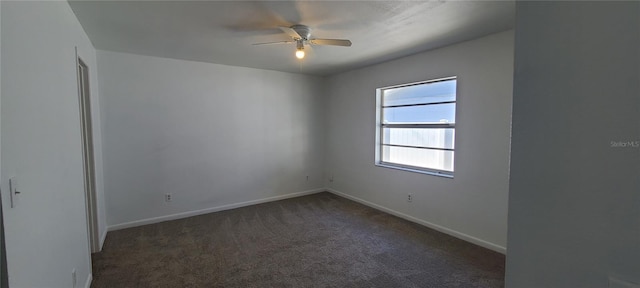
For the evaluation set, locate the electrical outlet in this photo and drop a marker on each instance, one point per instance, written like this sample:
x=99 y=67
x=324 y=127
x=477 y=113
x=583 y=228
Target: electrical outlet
x=331 y=178
x=409 y=197
x=167 y=197
x=74 y=279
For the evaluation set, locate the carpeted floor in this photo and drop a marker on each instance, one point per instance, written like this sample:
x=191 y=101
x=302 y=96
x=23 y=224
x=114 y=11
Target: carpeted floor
x=320 y=240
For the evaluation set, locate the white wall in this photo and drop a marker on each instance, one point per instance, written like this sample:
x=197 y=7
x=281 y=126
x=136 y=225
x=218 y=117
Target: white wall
x=574 y=203
x=3 y=273
x=472 y=205
x=212 y=135
x=46 y=234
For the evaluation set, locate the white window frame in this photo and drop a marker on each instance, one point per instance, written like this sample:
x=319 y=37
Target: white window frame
x=380 y=126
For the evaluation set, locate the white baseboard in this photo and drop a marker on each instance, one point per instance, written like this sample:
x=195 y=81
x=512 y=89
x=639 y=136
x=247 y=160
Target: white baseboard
x=454 y=233
x=433 y=226
x=88 y=283
x=210 y=210
x=102 y=238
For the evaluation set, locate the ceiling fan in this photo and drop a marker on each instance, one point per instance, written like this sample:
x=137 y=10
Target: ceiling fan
x=301 y=35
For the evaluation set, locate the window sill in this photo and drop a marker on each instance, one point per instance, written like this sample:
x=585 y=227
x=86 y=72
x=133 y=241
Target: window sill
x=433 y=173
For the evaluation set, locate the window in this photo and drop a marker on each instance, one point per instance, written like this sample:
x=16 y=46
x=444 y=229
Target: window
x=416 y=126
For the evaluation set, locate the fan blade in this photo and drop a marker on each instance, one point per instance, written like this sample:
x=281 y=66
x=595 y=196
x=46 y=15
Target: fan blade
x=334 y=42
x=278 y=42
x=290 y=32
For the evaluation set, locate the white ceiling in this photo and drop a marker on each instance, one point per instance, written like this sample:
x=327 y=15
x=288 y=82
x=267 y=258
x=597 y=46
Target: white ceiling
x=222 y=31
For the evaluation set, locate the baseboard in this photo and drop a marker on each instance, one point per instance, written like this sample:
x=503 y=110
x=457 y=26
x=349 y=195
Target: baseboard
x=102 y=238
x=210 y=210
x=88 y=283
x=433 y=226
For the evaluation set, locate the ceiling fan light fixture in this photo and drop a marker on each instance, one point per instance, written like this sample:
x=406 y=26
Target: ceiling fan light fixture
x=300 y=49
x=301 y=36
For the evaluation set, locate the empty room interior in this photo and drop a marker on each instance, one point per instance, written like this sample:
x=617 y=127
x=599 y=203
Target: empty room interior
x=320 y=144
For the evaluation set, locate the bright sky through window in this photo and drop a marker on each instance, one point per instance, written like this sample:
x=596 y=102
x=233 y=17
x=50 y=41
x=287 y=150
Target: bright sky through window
x=444 y=91
x=416 y=127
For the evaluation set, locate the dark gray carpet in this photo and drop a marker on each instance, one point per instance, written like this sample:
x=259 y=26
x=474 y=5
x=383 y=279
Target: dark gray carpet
x=320 y=240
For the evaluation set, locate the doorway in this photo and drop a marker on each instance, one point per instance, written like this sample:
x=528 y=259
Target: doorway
x=87 y=155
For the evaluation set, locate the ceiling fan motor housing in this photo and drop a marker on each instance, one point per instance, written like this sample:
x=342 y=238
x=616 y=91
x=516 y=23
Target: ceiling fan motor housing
x=303 y=31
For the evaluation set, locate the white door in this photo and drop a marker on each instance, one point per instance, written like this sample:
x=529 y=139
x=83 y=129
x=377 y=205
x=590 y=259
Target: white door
x=87 y=153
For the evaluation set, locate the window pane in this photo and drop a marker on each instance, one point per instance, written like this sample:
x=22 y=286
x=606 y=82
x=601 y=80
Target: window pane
x=438 y=113
x=426 y=158
x=421 y=137
x=421 y=93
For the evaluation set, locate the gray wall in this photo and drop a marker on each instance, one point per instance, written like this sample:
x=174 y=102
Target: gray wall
x=472 y=205
x=574 y=202
x=3 y=255
x=46 y=234
x=213 y=136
